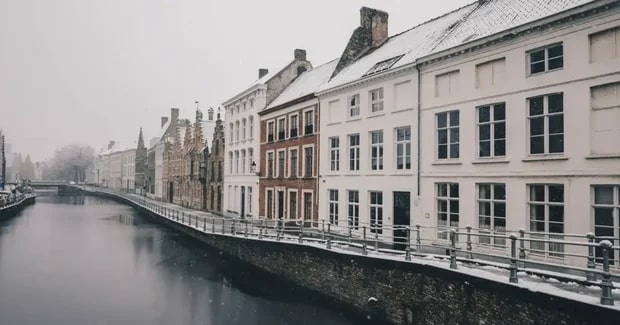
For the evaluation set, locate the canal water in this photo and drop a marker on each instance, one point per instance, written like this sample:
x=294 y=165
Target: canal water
x=88 y=260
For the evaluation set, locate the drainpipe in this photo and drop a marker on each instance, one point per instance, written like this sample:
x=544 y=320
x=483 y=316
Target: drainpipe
x=417 y=67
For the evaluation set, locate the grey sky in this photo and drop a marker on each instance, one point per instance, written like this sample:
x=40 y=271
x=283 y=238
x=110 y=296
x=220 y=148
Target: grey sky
x=91 y=71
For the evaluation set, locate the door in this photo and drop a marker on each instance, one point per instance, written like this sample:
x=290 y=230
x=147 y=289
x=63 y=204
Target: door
x=281 y=205
x=402 y=209
x=242 y=201
x=170 y=191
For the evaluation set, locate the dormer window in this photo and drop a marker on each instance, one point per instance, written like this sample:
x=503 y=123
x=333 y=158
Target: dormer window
x=383 y=65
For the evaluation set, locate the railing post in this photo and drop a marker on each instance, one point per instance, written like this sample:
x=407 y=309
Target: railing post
x=469 y=254
x=408 y=247
x=233 y=230
x=278 y=234
x=591 y=276
x=522 y=246
x=364 y=248
x=350 y=233
x=223 y=226
x=453 y=248
x=246 y=228
x=329 y=236
x=301 y=232
x=182 y=217
x=204 y=224
x=606 y=297
x=196 y=217
x=513 y=259
x=323 y=229
x=260 y=230
x=418 y=241
x=374 y=225
x=213 y=225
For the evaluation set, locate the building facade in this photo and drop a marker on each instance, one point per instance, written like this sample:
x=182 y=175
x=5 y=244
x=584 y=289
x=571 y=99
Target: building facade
x=140 y=166
x=215 y=168
x=241 y=159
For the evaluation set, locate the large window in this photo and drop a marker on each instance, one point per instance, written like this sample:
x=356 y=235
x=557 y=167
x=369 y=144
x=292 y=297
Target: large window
x=269 y=204
x=308 y=122
x=270 y=164
x=354 y=208
x=376 y=150
x=243 y=161
x=281 y=162
x=376 y=100
x=232 y=129
x=448 y=135
x=292 y=205
x=307 y=206
x=281 y=129
x=293 y=125
x=237 y=131
x=492 y=130
x=546 y=124
x=236 y=162
x=376 y=212
x=243 y=128
x=447 y=197
x=403 y=148
x=250 y=158
x=546 y=59
x=293 y=167
x=354 y=105
x=230 y=162
x=308 y=158
x=270 y=130
x=333 y=207
x=334 y=153
x=546 y=205
x=249 y=203
x=492 y=213
x=251 y=132
x=606 y=210
x=354 y=152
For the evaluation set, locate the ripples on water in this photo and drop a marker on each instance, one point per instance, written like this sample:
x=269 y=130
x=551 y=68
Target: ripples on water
x=87 y=260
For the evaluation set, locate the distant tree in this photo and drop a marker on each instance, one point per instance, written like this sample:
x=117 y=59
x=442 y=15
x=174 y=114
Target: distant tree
x=71 y=162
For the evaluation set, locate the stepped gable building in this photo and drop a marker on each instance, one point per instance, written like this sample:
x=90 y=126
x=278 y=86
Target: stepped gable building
x=141 y=164
x=288 y=186
x=469 y=119
x=166 y=139
x=215 y=168
x=242 y=147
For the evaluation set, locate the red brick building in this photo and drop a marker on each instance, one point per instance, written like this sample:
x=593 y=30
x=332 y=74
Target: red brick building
x=289 y=150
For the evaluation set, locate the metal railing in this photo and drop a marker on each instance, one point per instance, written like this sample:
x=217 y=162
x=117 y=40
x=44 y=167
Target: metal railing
x=591 y=258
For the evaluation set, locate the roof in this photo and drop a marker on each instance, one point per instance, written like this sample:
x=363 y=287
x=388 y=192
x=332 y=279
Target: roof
x=467 y=24
x=307 y=83
x=265 y=79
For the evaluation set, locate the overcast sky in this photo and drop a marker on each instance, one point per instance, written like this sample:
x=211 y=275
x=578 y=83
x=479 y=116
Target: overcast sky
x=92 y=71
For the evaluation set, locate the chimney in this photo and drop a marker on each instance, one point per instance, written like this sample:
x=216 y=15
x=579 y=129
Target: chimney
x=376 y=21
x=174 y=114
x=300 y=70
x=262 y=72
x=300 y=55
x=164 y=119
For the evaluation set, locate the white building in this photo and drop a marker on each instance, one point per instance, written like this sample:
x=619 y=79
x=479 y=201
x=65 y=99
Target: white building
x=128 y=175
x=243 y=139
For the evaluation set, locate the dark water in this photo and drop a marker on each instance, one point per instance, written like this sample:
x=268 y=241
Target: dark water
x=87 y=260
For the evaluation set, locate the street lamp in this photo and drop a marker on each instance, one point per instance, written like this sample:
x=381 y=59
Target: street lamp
x=253 y=168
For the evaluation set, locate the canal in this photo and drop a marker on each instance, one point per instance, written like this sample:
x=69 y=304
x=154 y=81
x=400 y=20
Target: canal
x=88 y=260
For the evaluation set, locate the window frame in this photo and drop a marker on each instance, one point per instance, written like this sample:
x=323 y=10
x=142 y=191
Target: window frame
x=376 y=101
x=353 y=206
x=492 y=201
x=450 y=200
x=356 y=107
x=546 y=116
x=293 y=126
x=305 y=121
x=377 y=207
x=292 y=193
x=281 y=167
x=281 y=128
x=546 y=203
x=334 y=153
x=312 y=163
x=332 y=206
x=545 y=60
x=492 y=122
x=303 y=197
x=448 y=128
x=406 y=144
x=378 y=149
x=290 y=162
x=355 y=158
x=269 y=163
x=270 y=131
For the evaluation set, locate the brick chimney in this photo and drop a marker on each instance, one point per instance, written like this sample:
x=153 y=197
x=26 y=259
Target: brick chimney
x=174 y=114
x=300 y=55
x=164 y=119
x=262 y=72
x=377 y=22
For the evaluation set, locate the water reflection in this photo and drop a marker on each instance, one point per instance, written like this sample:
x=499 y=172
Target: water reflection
x=88 y=260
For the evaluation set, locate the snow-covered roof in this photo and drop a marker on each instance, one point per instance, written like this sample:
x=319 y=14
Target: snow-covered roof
x=494 y=16
x=412 y=44
x=307 y=83
x=260 y=81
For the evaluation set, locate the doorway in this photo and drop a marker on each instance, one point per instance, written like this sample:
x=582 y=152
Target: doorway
x=242 y=201
x=402 y=210
x=281 y=205
x=170 y=192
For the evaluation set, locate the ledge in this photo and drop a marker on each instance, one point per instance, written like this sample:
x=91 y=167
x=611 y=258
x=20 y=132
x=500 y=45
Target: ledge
x=490 y=161
x=545 y=158
x=611 y=156
x=353 y=120
x=402 y=110
x=333 y=123
x=376 y=115
x=447 y=162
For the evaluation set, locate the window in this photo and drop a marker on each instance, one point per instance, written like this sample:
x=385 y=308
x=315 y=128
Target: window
x=270 y=164
x=605 y=45
x=490 y=73
x=354 y=152
x=383 y=65
x=333 y=207
x=243 y=128
x=232 y=128
x=281 y=163
x=292 y=205
x=546 y=205
x=250 y=157
x=546 y=124
x=307 y=206
x=376 y=100
x=269 y=204
x=243 y=161
x=236 y=162
x=403 y=148
x=354 y=209
x=244 y=106
x=270 y=130
x=334 y=153
x=293 y=168
x=308 y=156
x=354 y=105
x=249 y=203
x=492 y=130
x=219 y=171
x=281 y=129
x=309 y=122
x=293 y=124
x=251 y=132
x=230 y=161
x=492 y=213
x=448 y=135
x=237 y=131
x=546 y=59
x=604 y=117
x=376 y=150
x=447 y=84
x=376 y=212
x=606 y=215
x=447 y=197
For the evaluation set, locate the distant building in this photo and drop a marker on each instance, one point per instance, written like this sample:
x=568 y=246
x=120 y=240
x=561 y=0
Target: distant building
x=140 y=165
x=166 y=138
x=2 y=160
x=215 y=168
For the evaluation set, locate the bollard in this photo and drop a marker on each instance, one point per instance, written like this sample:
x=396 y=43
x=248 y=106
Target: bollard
x=301 y=232
x=513 y=259
x=418 y=241
x=350 y=233
x=522 y=246
x=591 y=276
x=233 y=230
x=246 y=229
x=364 y=248
x=453 y=248
x=323 y=229
x=606 y=298
x=469 y=254
x=408 y=247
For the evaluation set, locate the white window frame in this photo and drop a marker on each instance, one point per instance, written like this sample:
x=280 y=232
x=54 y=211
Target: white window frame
x=353 y=220
x=449 y=200
x=249 y=199
x=356 y=156
x=251 y=131
x=237 y=162
x=546 y=125
x=303 y=166
x=271 y=126
x=303 y=205
x=250 y=158
x=273 y=203
x=244 y=125
x=378 y=148
x=378 y=209
x=332 y=206
x=334 y=153
x=353 y=108
x=237 y=130
x=448 y=127
x=492 y=122
x=548 y=248
x=376 y=103
x=405 y=144
x=242 y=158
x=291 y=124
x=273 y=164
x=305 y=122
x=491 y=201
x=284 y=129
x=283 y=151
x=288 y=162
x=546 y=59
x=292 y=193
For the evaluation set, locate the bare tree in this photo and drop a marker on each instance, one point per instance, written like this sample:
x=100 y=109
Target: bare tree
x=71 y=162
